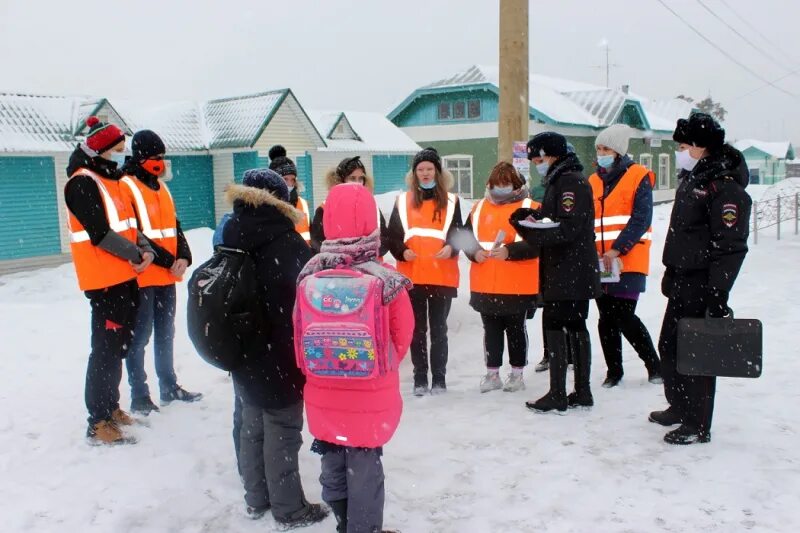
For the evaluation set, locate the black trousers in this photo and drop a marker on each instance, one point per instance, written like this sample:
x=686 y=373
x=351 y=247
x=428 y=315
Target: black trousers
x=513 y=327
x=691 y=396
x=565 y=314
x=618 y=318
x=113 y=320
x=429 y=309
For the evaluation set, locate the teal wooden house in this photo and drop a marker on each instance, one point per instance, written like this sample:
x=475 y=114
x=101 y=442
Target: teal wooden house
x=766 y=161
x=458 y=115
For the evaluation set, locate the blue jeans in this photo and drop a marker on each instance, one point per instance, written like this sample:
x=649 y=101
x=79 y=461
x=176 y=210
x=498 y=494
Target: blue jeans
x=156 y=312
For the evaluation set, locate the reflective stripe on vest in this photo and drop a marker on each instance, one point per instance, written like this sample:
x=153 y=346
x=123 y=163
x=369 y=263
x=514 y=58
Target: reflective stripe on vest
x=526 y=203
x=141 y=207
x=116 y=225
x=408 y=233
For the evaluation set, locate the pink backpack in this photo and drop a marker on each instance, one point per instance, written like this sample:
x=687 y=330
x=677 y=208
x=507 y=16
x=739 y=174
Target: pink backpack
x=341 y=327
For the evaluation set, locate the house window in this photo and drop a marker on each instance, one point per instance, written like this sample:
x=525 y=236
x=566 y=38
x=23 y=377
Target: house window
x=663 y=171
x=340 y=128
x=474 y=109
x=646 y=160
x=444 y=111
x=460 y=166
x=459 y=110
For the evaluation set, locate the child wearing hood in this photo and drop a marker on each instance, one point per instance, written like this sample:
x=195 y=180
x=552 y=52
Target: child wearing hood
x=352 y=419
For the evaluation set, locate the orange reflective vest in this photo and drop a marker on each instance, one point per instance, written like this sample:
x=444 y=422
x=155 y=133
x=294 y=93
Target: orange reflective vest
x=303 y=227
x=494 y=276
x=425 y=237
x=96 y=268
x=612 y=213
x=157 y=221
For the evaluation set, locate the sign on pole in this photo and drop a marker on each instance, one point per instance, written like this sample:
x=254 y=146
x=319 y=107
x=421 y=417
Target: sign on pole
x=520 y=158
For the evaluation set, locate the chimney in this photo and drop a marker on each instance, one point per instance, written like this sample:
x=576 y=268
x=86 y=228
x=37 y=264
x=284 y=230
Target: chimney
x=625 y=88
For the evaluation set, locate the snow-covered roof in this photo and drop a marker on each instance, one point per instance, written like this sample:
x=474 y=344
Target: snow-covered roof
x=564 y=101
x=180 y=125
x=664 y=114
x=778 y=150
x=36 y=123
x=373 y=132
x=240 y=120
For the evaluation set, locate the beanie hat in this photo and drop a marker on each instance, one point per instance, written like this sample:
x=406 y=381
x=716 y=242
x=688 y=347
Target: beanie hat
x=146 y=144
x=102 y=137
x=615 y=137
x=681 y=133
x=705 y=132
x=547 y=143
x=280 y=163
x=430 y=155
x=269 y=180
x=348 y=165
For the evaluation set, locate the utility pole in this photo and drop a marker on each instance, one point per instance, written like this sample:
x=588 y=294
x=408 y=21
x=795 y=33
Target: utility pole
x=514 y=108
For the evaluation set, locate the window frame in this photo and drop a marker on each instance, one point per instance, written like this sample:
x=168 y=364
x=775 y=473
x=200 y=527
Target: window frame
x=457 y=177
x=663 y=178
x=451 y=110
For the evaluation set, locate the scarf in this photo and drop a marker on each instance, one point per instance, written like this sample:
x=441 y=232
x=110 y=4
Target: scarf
x=359 y=254
x=516 y=195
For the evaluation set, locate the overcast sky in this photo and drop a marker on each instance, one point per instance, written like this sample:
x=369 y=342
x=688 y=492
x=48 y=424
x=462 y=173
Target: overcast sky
x=370 y=54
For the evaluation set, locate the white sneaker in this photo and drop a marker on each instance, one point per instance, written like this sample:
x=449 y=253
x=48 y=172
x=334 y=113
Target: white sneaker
x=491 y=381
x=514 y=383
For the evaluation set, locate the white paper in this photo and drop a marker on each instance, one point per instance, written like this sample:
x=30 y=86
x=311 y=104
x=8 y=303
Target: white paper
x=610 y=276
x=538 y=225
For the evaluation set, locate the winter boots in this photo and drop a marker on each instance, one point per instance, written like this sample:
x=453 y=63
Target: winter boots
x=556 y=398
x=668 y=417
x=180 y=394
x=581 y=349
x=107 y=432
x=143 y=406
x=686 y=434
x=314 y=513
x=121 y=418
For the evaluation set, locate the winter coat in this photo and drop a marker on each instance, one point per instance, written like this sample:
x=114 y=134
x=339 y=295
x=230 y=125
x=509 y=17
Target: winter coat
x=568 y=264
x=264 y=226
x=366 y=411
x=709 y=224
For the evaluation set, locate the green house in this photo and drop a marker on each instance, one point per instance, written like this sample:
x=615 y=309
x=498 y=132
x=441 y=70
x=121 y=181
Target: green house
x=766 y=160
x=458 y=116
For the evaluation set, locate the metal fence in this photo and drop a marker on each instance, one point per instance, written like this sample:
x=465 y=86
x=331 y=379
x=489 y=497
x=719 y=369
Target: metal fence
x=777 y=212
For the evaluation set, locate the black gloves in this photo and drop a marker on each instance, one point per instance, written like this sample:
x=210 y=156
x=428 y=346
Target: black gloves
x=523 y=213
x=717 y=303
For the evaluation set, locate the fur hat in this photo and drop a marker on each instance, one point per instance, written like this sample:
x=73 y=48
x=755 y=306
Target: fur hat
x=681 y=133
x=102 y=137
x=616 y=137
x=269 y=180
x=280 y=163
x=547 y=143
x=430 y=155
x=705 y=132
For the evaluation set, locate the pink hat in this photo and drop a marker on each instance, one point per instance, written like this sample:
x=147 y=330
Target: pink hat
x=350 y=211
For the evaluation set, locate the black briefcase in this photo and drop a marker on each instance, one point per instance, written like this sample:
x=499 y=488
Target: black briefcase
x=723 y=347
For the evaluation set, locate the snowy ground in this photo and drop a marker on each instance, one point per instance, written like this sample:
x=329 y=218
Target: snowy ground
x=463 y=462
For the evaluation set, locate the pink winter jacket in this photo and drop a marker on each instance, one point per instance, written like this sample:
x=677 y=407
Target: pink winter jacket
x=359 y=413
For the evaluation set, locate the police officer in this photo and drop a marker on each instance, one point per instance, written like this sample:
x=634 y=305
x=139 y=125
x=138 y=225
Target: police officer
x=704 y=250
x=568 y=266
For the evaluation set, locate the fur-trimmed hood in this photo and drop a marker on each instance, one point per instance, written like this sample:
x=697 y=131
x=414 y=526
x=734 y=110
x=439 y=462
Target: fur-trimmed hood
x=255 y=197
x=449 y=180
x=332 y=179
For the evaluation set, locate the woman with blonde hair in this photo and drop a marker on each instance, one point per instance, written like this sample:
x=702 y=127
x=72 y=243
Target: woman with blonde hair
x=422 y=230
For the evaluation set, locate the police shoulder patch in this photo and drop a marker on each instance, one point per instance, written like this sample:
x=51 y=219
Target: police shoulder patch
x=730 y=214
x=568 y=201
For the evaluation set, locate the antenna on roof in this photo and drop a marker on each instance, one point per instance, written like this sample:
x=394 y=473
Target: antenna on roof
x=608 y=66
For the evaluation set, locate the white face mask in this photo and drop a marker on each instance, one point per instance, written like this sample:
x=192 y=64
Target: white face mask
x=685 y=160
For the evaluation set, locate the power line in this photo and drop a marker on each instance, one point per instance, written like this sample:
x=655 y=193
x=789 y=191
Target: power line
x=752 y=27
x=743 y=37
x=790 y=74
x=723 y=52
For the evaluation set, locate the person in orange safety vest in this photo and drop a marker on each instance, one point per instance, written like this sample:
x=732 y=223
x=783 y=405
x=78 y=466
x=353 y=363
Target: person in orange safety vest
x=288 y=170
x=504 y=275
x=155 y=212
x=623 y=212
x=422 y=235
x=108 y=252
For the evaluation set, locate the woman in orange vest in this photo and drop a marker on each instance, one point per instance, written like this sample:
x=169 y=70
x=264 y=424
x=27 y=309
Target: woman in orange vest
x=155 y=211
x=504 y=276
x=424 y=222
x=288 y=170
x=349 y=170
x=108 y=252
x=623 y=212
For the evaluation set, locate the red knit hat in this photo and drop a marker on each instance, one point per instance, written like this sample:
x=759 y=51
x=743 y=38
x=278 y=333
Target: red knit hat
x=102 y=137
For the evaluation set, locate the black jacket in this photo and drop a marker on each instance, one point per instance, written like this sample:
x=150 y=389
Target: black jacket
x=317 y=232
x=568 y=264
x=264 y=226
x=710 y=219
x=164 y=257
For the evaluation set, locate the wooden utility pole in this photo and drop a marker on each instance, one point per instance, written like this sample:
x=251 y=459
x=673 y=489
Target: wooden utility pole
x=513 y=122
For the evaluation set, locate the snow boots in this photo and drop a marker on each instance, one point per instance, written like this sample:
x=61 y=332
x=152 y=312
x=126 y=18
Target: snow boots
x=668 y=417
x=556 y=398
x=180 y=394
x=581 y=349
x=108 y=433
x=143 y=406
x=686 y=435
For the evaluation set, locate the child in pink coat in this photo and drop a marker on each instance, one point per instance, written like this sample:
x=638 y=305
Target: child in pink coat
x=351 y=420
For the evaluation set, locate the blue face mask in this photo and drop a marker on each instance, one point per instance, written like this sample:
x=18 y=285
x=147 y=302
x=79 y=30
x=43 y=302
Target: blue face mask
x=542 y=168
x=428 y=186
x=605 y=161
x=118 y=158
